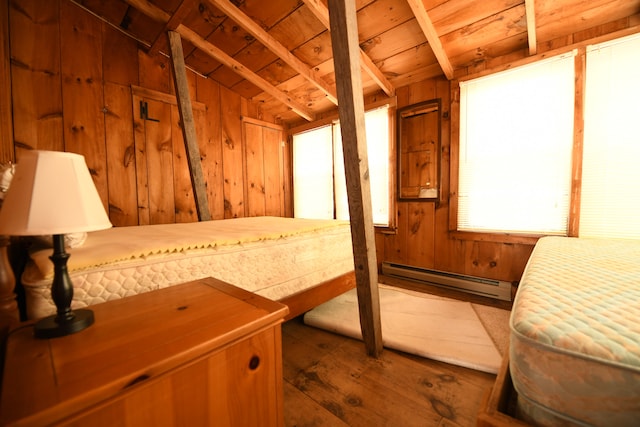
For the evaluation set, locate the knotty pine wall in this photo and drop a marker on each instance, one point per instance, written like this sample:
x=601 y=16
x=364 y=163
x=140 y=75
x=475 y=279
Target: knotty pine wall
x=76 y=85
x=423 y=235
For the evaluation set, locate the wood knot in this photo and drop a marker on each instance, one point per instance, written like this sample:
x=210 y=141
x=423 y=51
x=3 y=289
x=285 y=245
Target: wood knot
x=254 y=363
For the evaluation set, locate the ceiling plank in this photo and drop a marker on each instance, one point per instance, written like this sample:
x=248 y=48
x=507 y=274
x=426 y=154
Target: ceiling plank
x=530 y=9
x=322 y=13
x=219 y=55
x=159 y=15
x=432 y=37
x=176 y=19
x=275 y=46
x=151 y=10
x=344 y=41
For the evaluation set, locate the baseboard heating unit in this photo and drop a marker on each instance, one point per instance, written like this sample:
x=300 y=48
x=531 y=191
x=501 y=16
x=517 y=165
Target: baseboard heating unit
x=476 y=285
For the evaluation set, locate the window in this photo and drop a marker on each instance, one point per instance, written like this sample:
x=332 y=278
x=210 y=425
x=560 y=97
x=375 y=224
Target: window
x=516 y=139
x=610 y=198
x=313 y=174
x=319 y=185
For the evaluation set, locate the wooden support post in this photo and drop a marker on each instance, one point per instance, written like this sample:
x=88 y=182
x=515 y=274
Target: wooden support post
x=346 y=59
x=188 y=126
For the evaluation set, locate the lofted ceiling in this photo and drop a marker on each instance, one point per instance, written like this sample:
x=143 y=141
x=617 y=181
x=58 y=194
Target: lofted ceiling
x=278 y=52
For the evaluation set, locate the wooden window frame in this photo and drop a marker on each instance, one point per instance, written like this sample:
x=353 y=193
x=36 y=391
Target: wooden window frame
x=576 y=172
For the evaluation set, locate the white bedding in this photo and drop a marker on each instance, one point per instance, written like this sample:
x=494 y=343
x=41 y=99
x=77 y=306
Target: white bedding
x=273 y=257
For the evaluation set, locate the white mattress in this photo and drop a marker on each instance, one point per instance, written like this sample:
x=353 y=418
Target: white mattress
x=273 y=257
x=575 y=333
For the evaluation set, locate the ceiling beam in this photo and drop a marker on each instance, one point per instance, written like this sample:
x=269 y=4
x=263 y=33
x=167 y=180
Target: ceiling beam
x=419 y=11
x=322 y=13
x=276 y=47
x=160 y=15
x=530 y=9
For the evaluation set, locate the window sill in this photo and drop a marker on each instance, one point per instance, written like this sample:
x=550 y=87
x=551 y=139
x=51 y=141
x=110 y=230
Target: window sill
x=385 y=229
x=522 y=239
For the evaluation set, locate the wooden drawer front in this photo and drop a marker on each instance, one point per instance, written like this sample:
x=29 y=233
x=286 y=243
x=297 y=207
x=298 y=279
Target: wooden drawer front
x=238 y=385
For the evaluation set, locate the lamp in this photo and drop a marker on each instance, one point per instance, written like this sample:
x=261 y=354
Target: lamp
x=52 y=193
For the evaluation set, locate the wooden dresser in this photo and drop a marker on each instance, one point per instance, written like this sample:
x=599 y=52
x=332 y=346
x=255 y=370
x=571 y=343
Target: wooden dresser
x=197 y=354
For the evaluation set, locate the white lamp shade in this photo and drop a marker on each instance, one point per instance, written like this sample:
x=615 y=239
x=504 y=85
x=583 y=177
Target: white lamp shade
x=52 y=193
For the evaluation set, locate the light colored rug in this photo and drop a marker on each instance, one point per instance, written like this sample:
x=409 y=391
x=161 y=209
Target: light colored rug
x=426 y=325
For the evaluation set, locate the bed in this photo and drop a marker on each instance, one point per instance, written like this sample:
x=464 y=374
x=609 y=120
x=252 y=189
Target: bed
x=574 y=354
x=300 y=262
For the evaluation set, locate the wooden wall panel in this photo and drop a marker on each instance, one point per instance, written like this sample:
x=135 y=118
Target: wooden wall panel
x=274 y=178
x=264 y=168
x=35 y=76
x=154 y=72
x=121 y=159
x=159 y=148
x=420 y=239
x=82 y=91
x=232 y=153
x=120 y=57
x=254 y=156
x=210 y=140
x=140 y=150
x=185 y=203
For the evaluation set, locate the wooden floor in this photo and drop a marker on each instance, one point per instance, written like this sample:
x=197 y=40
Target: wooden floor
x=329 y=381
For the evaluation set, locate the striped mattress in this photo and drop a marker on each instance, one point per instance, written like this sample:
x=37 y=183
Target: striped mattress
x=270 y=256
x=575 y=334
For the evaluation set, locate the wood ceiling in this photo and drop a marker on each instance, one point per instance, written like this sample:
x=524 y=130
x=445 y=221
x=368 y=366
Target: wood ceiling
x=278 y=52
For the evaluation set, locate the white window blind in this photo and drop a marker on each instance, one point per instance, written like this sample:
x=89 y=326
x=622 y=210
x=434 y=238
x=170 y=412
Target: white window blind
x=377 y=133
x=610 y=199
x=313 y=174
x=318 y=167
x=516 y=138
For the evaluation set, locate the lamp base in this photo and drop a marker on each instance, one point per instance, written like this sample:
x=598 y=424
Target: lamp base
x=50 y=328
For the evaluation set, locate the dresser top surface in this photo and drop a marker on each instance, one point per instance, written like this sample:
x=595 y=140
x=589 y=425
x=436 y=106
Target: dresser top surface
x=132 y=339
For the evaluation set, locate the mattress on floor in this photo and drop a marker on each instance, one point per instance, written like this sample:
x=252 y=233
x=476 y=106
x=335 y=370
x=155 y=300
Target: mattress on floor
x=575 y=333
x=273 y=257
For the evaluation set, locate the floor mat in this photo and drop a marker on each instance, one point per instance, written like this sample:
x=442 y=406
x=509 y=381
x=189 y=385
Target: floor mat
x=425 y=325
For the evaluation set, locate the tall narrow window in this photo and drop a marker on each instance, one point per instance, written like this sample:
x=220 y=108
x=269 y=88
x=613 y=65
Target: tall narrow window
x=516 y=138
x=313 y=174
x=377 y=131
x=326 y=170
x=610 y=199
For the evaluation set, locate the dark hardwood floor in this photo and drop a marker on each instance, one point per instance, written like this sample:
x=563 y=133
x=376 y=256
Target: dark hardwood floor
x=329 y=381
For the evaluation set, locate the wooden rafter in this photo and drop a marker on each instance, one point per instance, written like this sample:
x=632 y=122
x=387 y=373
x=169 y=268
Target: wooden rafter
x=530 y=9
x=322 y=13
x=419 y=11
x=276 y=47
x=159 y=15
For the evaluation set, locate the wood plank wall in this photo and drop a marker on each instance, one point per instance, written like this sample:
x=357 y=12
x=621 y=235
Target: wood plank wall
x=422 y=237
x=77 y=85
